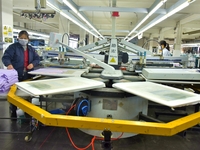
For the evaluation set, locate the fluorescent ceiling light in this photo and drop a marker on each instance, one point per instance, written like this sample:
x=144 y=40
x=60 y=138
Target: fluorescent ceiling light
x=16 y=30
x=81 y=16
x=70 y=6
x=74 y=21
x=177 y=9
x=53 y=6
x=32 y=33
x=66 y=16
x=147 y=16
x=91 y=26
x=39 y=34
x=170 y=13
x=190 y=45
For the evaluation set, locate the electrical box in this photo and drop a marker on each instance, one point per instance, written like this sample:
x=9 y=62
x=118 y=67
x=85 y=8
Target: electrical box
x=42 y=4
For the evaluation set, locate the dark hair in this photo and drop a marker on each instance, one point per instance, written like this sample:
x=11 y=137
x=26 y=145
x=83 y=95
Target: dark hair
x=167 y=47
x=23 y=32
x=163 y=43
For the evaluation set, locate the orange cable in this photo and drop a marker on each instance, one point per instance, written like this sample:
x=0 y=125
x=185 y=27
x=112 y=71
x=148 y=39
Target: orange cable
x=91 y=143
x=93 y=139
x=75 y=145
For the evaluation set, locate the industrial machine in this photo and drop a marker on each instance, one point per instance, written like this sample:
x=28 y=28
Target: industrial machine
x=110 y=91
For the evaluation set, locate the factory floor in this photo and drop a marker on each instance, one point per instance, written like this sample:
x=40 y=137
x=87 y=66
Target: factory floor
x=53 y=138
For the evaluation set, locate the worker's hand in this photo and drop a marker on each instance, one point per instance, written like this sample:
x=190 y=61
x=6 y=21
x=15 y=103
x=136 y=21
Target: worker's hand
x=30 y=66
x=10 y=67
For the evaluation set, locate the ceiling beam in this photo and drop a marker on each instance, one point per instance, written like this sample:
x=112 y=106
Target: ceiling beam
x=165 y=29
x=24 y=4
x=190 y=18
x=191 y=25
x=192 y=32
x=119 y=9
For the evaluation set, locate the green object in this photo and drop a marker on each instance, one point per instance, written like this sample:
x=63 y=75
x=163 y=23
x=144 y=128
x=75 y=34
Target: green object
x=96 y=43
x=21 y=119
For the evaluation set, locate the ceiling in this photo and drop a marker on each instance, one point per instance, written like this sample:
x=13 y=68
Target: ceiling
x=128 y=18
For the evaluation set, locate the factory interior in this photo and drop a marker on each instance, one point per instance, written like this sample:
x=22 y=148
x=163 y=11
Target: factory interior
x=111 y=75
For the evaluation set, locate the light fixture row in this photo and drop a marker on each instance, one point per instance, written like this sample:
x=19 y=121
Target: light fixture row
x=146 y=17
x=66 y=2
x=172 y=10
x=73 y=20
x=32 y=33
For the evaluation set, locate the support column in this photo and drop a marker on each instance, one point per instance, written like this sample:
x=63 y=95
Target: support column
x=64 y=28
x=82 y=34
x=91 y=40
x=95 y=39
x=151 y=43
x=6 y=25
x=113 y=27
x=161 y=36
x=178 y=40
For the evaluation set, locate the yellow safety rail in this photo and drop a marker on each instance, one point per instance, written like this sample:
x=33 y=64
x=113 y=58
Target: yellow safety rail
x=164 y=129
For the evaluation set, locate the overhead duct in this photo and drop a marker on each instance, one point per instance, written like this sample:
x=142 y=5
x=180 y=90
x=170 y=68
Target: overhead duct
x=192 y=32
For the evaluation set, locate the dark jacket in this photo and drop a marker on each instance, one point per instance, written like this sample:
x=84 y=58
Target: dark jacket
x=14 y=55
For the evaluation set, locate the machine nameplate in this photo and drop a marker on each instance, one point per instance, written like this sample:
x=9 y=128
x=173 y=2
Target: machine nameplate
x=110 y=104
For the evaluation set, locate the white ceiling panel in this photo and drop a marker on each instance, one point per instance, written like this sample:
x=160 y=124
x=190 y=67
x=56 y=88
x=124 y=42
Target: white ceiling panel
x=103 y=20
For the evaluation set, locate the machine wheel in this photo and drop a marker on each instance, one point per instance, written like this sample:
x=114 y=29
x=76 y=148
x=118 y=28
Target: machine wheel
x=28 y=138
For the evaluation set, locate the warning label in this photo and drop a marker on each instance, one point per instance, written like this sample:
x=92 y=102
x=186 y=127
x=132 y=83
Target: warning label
x=7 y=31
x=113 y=60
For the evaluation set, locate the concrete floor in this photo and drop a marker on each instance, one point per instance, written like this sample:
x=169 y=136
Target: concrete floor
x=52 y=138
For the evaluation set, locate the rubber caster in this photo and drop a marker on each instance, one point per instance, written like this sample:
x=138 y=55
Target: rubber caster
x=28 y=138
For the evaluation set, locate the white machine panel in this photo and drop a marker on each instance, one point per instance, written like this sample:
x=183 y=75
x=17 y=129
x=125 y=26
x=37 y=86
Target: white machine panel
x=59 y=85
x=113 y=53
x=54 y=37
x=158 y=93
x=59 y=72
x=171 y=74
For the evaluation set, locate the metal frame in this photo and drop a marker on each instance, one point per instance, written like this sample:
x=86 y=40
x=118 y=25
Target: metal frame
x=164 y=129
x=135 y=47
x=107 y=67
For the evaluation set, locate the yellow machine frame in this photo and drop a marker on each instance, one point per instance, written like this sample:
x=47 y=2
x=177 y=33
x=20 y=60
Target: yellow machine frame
x=164 y=129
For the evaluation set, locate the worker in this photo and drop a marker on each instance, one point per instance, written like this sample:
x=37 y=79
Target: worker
x=165 y=48
x=21 y=57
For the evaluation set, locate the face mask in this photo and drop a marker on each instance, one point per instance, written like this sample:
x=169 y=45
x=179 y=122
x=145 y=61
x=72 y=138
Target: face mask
x=23 y=42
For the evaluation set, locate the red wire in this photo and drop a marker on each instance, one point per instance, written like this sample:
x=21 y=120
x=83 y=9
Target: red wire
x=118 y=137
x=93 y=139
x=54 y=128
x=90 y=144
x=75 y=145
x=70 y=109
x=46 y=138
